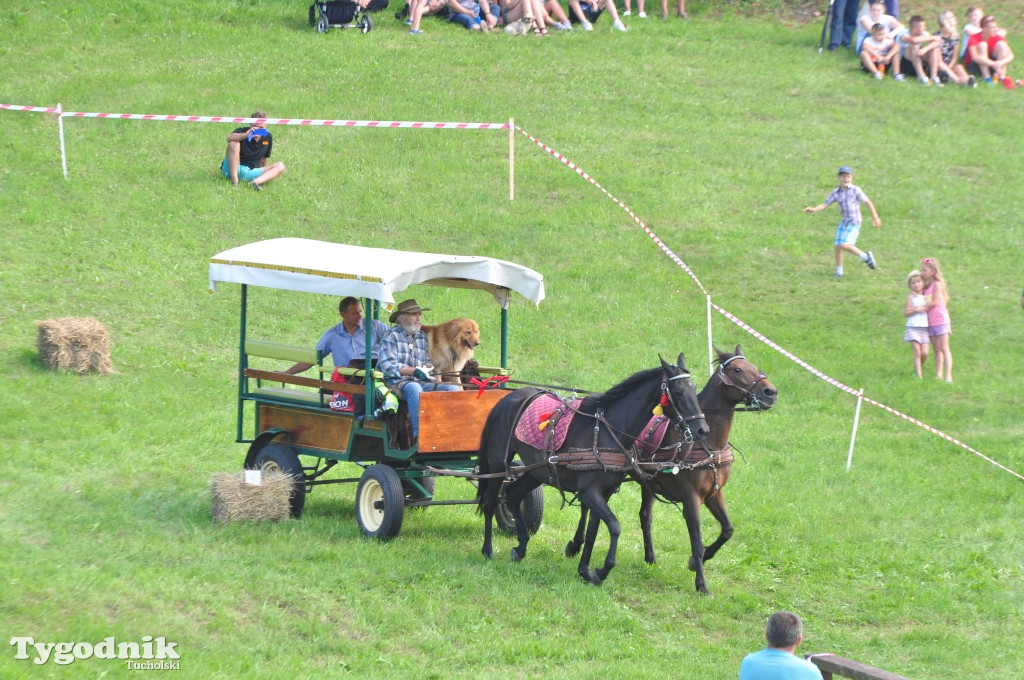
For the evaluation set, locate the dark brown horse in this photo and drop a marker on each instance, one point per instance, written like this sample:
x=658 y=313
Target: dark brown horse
x=593 y=459
x=704 y=469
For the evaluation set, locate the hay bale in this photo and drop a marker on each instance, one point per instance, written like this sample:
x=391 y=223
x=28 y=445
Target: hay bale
x=234 y=500
x=81 y=345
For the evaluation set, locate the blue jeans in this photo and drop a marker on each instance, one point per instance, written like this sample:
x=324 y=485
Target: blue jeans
x=844 y=21
x=467 y=21
x=411 y=395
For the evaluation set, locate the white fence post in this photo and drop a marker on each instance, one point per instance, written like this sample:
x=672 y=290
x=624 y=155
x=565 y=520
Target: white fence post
x=60 y=129
x=853 y=435
x=711 y=360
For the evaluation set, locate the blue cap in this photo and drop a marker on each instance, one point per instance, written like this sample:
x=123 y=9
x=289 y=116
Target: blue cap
x=845 y=170
x=258 y=132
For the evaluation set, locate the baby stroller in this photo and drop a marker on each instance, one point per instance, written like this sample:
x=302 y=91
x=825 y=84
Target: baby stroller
x=328 y=14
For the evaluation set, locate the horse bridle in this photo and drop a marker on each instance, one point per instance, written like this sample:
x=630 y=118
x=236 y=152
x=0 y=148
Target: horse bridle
x=750 y=399
x=681 y=422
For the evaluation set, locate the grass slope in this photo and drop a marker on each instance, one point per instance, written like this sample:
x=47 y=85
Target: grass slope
x=717 y=132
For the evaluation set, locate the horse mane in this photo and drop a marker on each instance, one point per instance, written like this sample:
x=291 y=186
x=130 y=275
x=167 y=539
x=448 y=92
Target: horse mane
x=628 y=385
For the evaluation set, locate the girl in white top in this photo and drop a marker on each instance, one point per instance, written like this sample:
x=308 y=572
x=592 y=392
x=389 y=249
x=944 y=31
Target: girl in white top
x=916 y=332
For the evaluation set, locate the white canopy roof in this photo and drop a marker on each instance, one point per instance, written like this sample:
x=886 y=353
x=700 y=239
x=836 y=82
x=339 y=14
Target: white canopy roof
x=377 y=273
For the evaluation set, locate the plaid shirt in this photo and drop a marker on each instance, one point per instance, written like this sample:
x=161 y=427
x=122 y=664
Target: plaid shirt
x=849 y=201
x=399 y=349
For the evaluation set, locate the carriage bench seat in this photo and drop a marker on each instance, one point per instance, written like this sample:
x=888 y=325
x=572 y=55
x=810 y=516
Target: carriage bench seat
x=295 y=354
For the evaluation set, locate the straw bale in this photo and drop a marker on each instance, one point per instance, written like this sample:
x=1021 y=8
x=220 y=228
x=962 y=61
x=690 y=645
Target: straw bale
x=234 y=500
x=77 y=344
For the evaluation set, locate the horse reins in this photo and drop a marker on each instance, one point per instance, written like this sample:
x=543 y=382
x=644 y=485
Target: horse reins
x=750 y=399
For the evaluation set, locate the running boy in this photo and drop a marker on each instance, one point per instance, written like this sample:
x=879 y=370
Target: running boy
x=849 y=197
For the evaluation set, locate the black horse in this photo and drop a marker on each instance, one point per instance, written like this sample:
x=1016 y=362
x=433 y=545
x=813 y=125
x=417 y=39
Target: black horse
x=703 y=469
x=595 y=455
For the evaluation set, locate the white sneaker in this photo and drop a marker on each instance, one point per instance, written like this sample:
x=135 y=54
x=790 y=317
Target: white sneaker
x=626 y=13
x=878 y=75
x=899 y=77
x=937 y=80
x=642 y=15
x=619 y=26
x=587 y=26
x=925 y=81
x=563 y=26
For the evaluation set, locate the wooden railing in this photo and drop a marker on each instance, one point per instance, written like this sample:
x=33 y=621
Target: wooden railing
x=830 y=664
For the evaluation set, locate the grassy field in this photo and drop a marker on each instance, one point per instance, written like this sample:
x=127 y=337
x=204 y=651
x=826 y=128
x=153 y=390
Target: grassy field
x=716 y=131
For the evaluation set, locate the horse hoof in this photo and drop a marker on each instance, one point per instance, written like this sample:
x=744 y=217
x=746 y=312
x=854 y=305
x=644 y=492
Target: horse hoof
x=571 y=549
x=487 y=553
x=703 y=590
x=650 y=559
x=595 y=578
x=692 y=564
x=516 y=555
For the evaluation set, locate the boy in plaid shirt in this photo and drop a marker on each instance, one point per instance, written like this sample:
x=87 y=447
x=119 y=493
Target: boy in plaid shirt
x=849 y=197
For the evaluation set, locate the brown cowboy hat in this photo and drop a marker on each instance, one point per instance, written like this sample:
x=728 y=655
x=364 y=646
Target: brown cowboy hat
x=405 y=307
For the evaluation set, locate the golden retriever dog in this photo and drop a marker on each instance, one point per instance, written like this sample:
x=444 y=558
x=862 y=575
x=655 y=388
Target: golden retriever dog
x=450 y=345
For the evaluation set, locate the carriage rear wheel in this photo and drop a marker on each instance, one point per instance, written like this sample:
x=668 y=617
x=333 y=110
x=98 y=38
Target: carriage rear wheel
x=532 y=507
x=366 y=24
x=380 y=502
x=312 y=15
x=323 y=25
x=278 y=457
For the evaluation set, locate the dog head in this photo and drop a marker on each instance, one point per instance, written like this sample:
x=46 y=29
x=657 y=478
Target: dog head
x=465 y=333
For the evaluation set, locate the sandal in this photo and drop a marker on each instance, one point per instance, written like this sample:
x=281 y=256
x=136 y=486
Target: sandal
x=540 y=31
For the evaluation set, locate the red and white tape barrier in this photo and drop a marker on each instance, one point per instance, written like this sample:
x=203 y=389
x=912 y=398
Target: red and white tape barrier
x=266 y=121
x=731 y=317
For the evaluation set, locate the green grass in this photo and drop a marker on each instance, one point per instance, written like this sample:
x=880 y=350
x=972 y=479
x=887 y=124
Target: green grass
x=717 y=132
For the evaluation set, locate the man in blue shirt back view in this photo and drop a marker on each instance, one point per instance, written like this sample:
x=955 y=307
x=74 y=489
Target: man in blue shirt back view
x=777 y=661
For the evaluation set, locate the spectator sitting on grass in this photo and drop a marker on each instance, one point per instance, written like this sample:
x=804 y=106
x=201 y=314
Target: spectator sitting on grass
x=778 y=662
x=878 y=51
x=473 y=15
x=988 y=53
x=876 y=15
x=973 y=25
x=943 y=62
x=587 y=13
x=916 y=47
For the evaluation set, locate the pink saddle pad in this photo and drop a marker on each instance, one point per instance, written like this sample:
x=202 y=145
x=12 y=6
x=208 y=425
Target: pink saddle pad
x=549 y=409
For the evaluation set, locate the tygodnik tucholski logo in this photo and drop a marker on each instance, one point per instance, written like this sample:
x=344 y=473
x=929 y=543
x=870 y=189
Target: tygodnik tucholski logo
x=151 y=654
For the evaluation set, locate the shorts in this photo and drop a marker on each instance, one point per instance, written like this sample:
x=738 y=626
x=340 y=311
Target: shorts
x=944 y=329
x=847 y=233
x=974 y=70
x=468 y=22
x=245 y=173
x=588 y=11
x=917 y=334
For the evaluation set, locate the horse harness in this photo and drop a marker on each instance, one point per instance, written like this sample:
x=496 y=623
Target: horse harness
x=750 y=399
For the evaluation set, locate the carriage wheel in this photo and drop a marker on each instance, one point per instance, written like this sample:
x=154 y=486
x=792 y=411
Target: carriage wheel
x=380 y=502
x=277 y=457
x=312 y=15
x=367 y=25
x=532 y=506
x=323 y=25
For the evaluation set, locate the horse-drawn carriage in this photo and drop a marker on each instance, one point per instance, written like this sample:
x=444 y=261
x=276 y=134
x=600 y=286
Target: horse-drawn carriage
x=294 y=429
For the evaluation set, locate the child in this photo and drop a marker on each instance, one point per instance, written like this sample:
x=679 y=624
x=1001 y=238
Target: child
x=917 y=47
x=936 y=298
x=849 y=197
x=878 y=50
x=944 y=66
x=876 y=15
x=917 y=320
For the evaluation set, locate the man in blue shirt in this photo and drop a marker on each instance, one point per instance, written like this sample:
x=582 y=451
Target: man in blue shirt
x=347 y=340
x=405 y=363
x=777 y=661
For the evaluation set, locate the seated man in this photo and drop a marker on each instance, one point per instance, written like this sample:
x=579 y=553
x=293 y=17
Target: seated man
x=347 y=340
x=586 y=13
x=404 y=361
x=988 y=53
x=916 y=48
x=877 y=51
x=247 y=154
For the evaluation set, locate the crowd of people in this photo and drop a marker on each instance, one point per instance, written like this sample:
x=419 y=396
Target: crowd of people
x=520 y=17
x=978 y=54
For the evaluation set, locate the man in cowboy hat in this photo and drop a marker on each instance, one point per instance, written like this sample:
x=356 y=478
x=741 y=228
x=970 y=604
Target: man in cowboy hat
x=404 y=361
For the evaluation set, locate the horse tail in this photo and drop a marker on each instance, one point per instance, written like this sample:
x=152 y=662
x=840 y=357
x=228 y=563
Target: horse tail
x=496 y=449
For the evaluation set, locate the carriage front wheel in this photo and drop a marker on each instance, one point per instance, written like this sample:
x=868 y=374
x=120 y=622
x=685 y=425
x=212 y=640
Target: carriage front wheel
x=532 y=507
x=380 y=502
